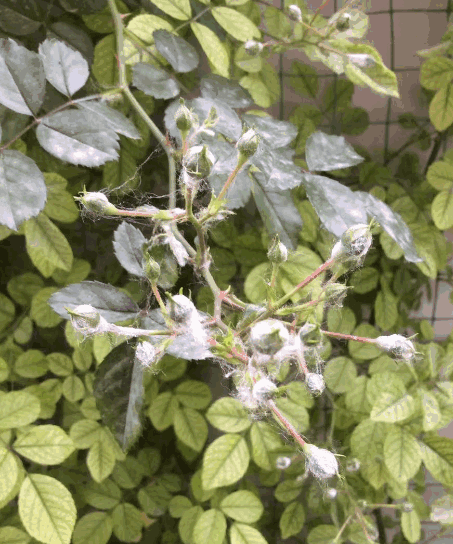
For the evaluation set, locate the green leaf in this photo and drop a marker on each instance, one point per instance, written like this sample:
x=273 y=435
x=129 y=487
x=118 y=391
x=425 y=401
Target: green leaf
x=187 y=523
x=354 y=121
x=304 y=79
x=119 y=392
x=31 y=364
x=225 y=461
x=325 y=152
x=22 y=189
x=367 y=439
x=210 y=527
x=214 y=48
x=228 y=415
x=292 y=520
x=437 y=454
x=105 y=66
x=264 y=439
x=322 y=534
x=47 y=247
x=244 y=534
x=364 y=280
x=84 y=433
x=73 y=388
x=242 y=506
x=401 y=453
x=154 y=81
x=178 y=9
x=288 y=490
x=432 y=414
x=101 y=458
x=441 y=108
x=110 y=118
x=361 y=350
x=277 y=22
x=17 y=409
x=170 y=368
x=128 y=473
x=44 y=444
x=341 y=320
x=442 y=209
x=236 y=24
x=436 y=72
x=391 y=408
x=47 y=509
x=190 y=427
x=9 y=473
x=22 y=288
x=162 y=410
x=440 y=175
x=411 y=526
x=296 y=414
x=356 y=398
x=41 y=313
x=7 y=311
x=178 y=505
x=105 y=495
x=60 y=364
x=65 y=68
x=193 y=394
x=127 y=522
x=4 y=370
x=339 y=373
x=385 y=309
x=93 y=528
x=338 y=96
x=13 y=535
x=179 y=53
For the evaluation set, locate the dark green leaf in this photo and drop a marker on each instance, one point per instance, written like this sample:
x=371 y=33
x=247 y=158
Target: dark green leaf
x=304 y=79
x=83 y=7
x=112 y=119
x=22 y=78
x=112 y=304
x=65 y=68
x=278 y=133
x=74 y=36
x=336 y=205
x=154 y=81
x=225 y=90
x=22 y=189
x=324 y=152
x=20 y=17
x=180 y=54
x=75 y=136
x=128 y=243
x=119 y=392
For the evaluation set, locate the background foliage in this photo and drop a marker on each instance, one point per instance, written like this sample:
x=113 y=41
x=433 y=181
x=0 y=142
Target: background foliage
x=198 y=468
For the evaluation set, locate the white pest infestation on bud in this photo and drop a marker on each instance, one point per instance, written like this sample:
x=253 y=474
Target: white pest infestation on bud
x=353 y=465
x=294 y=13
x=97 y=203
x=253 y=48
x=320 y=462
x=145 y=353
x=263 y=389
x=315 y=383
x=331 y=493
x=282 y=463
x=353 y=244
x=401 y=348
x=87 y=320
x=180 y=308
x=268 y=336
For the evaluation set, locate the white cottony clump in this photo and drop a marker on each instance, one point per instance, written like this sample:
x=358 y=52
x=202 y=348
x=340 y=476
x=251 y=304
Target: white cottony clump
x=145 y=353
x=331 y=493
x=263 y=389
x=294 y=13
x=362 y=60
x=181 y=308
x=253 y=48
x=315 y=383
x=87 y=320
x=401 y=348
x=283 y=462
x=320 y=462
x=245 y=397
x=353 y=465
x=354 y=243
x=268 y=336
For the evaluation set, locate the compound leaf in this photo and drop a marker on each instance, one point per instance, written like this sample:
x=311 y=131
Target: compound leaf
x=180 y=54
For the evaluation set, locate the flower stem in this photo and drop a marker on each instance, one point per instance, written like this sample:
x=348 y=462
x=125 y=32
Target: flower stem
x=349 y=337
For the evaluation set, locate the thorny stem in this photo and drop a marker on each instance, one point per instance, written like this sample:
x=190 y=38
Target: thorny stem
x=289 y=427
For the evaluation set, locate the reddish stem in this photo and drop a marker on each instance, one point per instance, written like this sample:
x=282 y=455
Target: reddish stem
x=349 y=337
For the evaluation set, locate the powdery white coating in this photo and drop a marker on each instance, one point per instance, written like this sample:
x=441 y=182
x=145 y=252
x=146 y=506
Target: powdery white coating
x=181 y=309
x=95 y=197
x=362 y=60
x=269 y=336
x=283 y=462
x=253 y=48
x=354 y=243
x=336 y=250
x=145 y=353
x=315 y=382
x=400 y=347
x=262 y=389
x=353 y=465
x=331 y=493
x=87 y=320
x=320 y=462
x=294 y=13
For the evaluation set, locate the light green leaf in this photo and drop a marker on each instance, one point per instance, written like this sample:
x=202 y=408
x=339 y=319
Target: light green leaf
x=225 y=461
x=411 y=526
x=127 y=522
x=187 y=523
x=46 y=245
x=13 y=535
x=178 y=9
x=4 y=370
x=59 y=364
x=236 y=24
x=277 y=22
x=178 y=505
x=436 y=72
x=128 y=473
x=105 y=66
x=31 y=364
x=356 y=398
x=22 y=288
x=7 y=311
x=441 y=108
x=41 y=312
x=45 y=444
x=214 y=48
x=258 y=90
x=385 y=309
x=190 y=427
x=437 y=454
x=264 y=439
x=432 y=414
x=296 y=414
x=322 y=534
x=73 y=388
x=440 y=175
x=101 y=459
x=93 y=528
x=361 y=350
x=84 y=433
x=341 y=320
x=244 y=534
x=143 y=26
x=105 y=495
x=210 y=527
x=193 y=394
x=47 y=509
x=161 y=411
x=391 y=408
x=401 y=453
x=339 y=373
x=228 y=415
x=242 y=506
x=442 y=209
x=18 y=408
x=367 y=439
x=292 y=519
x=9 y=473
